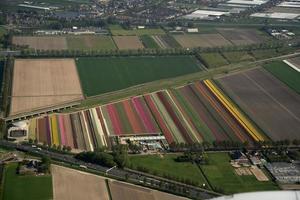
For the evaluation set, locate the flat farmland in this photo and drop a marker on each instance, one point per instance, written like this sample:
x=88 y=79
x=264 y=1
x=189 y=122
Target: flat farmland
x=102 y=75
x=42 y=83
x=124 y=191
x=201 y=40
x=273 y=106
x=77 y=185
x=18 y=187
x=285 y=73
x=118 y=30
x=213 y=60
x=241 y=36
x=42 y=43
x=221 y=174
x=90 y=42
x=128 y=42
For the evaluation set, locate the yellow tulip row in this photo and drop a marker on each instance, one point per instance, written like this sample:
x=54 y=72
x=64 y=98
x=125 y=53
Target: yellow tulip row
x=240 y=117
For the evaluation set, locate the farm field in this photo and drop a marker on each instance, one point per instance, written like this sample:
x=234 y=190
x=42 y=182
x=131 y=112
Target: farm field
x=90 y=42
x=199 y=112
x=221 y=175
x=77 y=185
x=41 y=83
x=129 y=117
x=165 y=164
x=120 y=190
x=102 y=75
x=241 y=36
x=238 y=56
x=81 y=130
x=118 y=30
x=285 y=73
x=42 y=43
x=149 y=42
x=128 y=42
x=213 y=60
x=201 y=40
x=194 y=113
x=273 y=106
x=267 y=53
x=166 y=41
x=18 y=187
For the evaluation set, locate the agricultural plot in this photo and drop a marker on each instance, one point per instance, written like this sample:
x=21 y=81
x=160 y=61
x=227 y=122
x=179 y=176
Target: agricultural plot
x=238 y=56
x=268 y=102
x=118 y=30
x=42 y=83
x=149 y=42
x=80 y=131
x=201 y=40
x=41 y=43
x=77 y=185
x=128 y=42
x=285 y=73
x=267 y=53
x=166 y=41
x=197 y=113
x=102 y=75
x=129 y=117
x=165 y=164
x=221 y=175
x=90 y=42
x=213 y=60
x=17 y=187
x=241 y=36
x=121 y=190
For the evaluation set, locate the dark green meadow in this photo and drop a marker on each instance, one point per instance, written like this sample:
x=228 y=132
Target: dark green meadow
x=102 y=75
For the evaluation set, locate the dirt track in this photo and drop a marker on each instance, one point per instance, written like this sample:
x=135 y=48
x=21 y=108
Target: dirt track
x=39 y=83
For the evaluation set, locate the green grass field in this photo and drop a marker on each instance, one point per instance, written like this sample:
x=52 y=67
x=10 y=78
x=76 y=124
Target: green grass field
x=212 y=60
x=221 y=175
x=102 y=75
x=90 y=42
x=148 y=42
x=170 y=40
x=267 y=53
x=167 y=165
x=285 y=73
x=118 y=30
x=238 y=56
x=26 y=187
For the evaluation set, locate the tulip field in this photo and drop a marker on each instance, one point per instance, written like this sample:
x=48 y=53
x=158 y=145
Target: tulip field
x=193 y=113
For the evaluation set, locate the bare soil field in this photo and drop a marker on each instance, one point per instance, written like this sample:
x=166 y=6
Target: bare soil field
x=69 y=184
x=128 y=42
x=241 y=36
x=268 y=102
x=42 y=43
x=41 y=83
x=201 y=40
x=123 y=191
